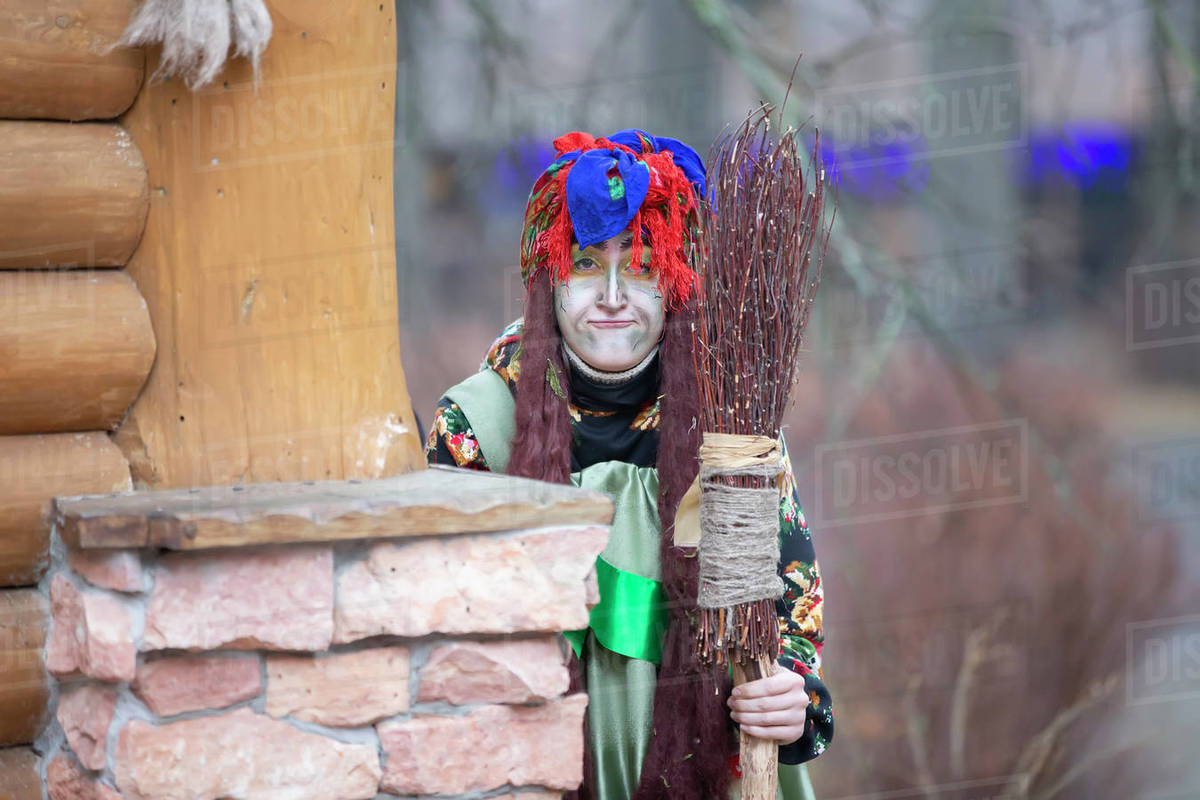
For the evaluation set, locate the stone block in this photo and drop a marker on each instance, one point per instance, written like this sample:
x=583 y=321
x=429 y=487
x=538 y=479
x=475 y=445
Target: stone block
x=534 y=581
x=486 y=749
x=340 y=689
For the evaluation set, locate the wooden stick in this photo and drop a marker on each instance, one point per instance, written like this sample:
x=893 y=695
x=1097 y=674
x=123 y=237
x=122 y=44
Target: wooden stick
x=759 y=757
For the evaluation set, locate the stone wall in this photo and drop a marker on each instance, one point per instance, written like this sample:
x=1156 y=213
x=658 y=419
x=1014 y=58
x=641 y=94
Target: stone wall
x=357 y=668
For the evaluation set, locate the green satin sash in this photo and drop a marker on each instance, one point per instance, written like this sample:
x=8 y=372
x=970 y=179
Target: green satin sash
x=631 y=616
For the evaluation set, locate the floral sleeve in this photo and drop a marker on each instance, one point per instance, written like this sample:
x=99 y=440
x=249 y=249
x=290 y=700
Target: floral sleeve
x=451 y=440
x=800 y=611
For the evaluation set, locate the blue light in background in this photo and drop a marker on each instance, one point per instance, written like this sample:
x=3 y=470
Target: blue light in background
x=1088 y=154
x=515 y=167
x=876 y=172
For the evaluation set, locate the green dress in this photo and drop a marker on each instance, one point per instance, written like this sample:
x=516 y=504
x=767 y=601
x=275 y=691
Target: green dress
x=621 y=647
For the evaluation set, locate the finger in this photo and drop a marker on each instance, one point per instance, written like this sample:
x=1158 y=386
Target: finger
x=772 y=702
x=778 y=683
x=786 y=718
x=783 y=735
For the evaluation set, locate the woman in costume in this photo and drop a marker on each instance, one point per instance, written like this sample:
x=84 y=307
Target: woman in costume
x=596 y=386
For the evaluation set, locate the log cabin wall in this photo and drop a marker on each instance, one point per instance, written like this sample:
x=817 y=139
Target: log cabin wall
x=76 y=343
x=196 y=290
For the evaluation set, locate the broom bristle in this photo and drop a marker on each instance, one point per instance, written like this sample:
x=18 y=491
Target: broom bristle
x=762 y=243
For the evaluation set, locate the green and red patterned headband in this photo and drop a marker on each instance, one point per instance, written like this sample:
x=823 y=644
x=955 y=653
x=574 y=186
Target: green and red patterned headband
x=597 y=188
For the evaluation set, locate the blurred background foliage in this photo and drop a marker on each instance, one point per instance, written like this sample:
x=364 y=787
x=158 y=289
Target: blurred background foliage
x=1015 y=262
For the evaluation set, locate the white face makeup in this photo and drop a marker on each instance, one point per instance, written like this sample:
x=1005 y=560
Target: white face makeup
x=610 y=312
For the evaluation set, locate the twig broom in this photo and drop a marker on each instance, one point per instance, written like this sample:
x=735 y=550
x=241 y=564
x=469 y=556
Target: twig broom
x=762 y=244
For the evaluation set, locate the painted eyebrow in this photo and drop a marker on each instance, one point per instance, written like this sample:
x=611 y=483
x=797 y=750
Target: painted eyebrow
x=626 y=241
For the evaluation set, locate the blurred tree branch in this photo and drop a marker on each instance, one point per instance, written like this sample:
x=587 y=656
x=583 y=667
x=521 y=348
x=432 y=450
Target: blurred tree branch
x=717 y=17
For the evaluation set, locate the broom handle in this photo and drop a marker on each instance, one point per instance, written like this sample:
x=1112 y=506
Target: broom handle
x=759 y=757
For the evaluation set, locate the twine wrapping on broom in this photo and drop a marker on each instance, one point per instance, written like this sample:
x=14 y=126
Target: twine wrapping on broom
x=739 y=544
x=739 y=547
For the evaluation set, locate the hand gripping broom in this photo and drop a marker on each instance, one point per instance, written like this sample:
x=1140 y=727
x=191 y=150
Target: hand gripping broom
x=763 y=240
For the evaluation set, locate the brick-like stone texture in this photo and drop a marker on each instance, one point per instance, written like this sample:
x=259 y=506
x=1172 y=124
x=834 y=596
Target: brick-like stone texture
x=90 y=634
x=486 y=749
x=240 y=754
x=177 y=684
x=120 y=570
x=274 y=598
x=85 y=712
x=517 y=671
x=470 y=584
x=341 y=689
x=66 y=781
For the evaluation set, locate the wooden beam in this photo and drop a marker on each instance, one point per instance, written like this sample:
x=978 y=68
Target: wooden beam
x=24 y=618
x=269 y=258
x=440 y=500
x=19 y=778
x=53 y=64
x=75 y=347
x=33 y=471
x=70 y=195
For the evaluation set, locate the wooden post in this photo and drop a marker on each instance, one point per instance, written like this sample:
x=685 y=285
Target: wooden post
x=268 y=263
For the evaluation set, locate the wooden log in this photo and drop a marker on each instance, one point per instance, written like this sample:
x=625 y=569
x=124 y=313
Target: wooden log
x=439 y=500
x=53 y=64
x=70 y=195
x=24 y=690
x=19 y=778
x=270 y=249
x=33 y=471
x=75 y=347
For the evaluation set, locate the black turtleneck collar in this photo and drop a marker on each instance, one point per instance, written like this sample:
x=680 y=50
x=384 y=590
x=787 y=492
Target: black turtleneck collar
x=606 y=428
x=593 y=395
